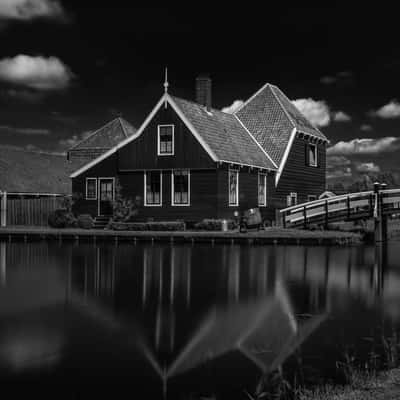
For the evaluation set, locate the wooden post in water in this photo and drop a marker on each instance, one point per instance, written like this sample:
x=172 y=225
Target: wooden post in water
x=3 y=209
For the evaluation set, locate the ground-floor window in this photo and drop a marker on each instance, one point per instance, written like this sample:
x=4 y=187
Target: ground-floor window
x=262 y=190
x=181 y=187
x=233 y=187
x=292 y=199
x=153 y=185
x=311 y=197
x=91 y=188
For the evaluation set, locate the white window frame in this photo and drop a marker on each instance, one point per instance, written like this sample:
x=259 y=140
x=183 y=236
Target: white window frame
x=158 y=140
x=292 y=194
x=315 y=164
x=86 y=191
x=236 y=204
x=173 y=188
x=264 y=177
x=145 y=189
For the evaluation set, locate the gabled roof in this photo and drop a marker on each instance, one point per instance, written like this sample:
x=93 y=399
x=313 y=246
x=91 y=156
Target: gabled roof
x=225 y=135
x=107 y=136
x=271 y=117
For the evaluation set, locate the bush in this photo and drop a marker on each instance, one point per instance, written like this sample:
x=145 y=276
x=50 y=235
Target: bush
x=62 y=218
x=214 y=225
x=85 y=221
x=148 y=226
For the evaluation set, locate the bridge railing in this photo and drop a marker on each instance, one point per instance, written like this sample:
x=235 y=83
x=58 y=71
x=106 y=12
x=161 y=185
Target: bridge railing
x=342 y=207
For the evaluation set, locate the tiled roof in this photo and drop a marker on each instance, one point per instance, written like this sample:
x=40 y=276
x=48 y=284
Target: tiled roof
x=270 y=117
x=34 y=172
x=224 y=134
x=107 y=136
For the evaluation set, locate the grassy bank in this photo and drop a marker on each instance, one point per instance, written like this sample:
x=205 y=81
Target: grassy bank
x=385 y=386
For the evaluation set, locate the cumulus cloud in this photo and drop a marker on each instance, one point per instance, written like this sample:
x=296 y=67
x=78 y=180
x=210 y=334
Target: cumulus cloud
x=316 y=111
x=365 y=146
x=366 y=127
x=388 y=111
x=341 y=116
x=233 y=107
x=38 y=73
x=25 y=10
x=335 y=161
x=24 y=131
x=339 y=173
x=74 y=140
x=367 y=167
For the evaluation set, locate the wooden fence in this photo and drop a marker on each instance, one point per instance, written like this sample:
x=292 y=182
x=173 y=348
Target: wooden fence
x=28 y=208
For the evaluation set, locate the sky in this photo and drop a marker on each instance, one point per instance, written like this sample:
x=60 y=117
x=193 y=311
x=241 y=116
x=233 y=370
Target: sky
x=68 y=67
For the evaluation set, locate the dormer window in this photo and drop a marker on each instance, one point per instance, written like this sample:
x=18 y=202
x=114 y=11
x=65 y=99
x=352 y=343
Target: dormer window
x=165 y=140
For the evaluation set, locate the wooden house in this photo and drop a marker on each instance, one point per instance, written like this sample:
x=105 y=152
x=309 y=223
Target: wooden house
x=190 y=161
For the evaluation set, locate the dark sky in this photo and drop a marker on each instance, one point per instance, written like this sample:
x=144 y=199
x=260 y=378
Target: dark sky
x=109 y=60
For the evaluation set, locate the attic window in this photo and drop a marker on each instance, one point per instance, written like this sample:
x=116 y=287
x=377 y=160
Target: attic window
x=312 y=155
x=165 y=140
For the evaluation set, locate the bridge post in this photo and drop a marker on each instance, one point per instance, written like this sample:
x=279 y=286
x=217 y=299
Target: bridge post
x=380 y=219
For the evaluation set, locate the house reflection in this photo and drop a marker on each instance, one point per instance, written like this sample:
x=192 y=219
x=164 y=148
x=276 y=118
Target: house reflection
x=169 y=311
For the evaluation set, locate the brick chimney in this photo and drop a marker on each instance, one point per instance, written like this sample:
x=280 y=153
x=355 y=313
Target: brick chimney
x=203 y=90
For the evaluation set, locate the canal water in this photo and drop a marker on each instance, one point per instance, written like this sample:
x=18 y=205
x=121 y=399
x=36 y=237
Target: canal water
x=188 y=322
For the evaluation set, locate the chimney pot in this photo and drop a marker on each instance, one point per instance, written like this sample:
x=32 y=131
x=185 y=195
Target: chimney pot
x=203 y=90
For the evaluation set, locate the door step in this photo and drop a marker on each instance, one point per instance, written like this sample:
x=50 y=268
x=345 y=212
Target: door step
x=101 y=222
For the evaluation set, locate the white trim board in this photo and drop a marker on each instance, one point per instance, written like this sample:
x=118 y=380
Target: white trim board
x=285 y=156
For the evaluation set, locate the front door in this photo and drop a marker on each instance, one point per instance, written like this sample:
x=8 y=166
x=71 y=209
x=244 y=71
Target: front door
x=106 y=195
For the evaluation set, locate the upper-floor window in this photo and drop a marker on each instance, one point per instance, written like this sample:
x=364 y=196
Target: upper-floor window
x=233 y=187
x=312 y=155
x=153 y=188
x=181 y=187
x=91 y=188
x=165 y=144
x=262 y=190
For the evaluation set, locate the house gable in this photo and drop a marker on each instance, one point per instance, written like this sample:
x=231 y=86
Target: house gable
x=143 y=152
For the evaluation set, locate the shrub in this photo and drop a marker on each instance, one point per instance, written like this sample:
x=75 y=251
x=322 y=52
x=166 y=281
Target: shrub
x=124 y=209
x=148 y=226
x=214 y=225
x=62 y=218
x=85 y=221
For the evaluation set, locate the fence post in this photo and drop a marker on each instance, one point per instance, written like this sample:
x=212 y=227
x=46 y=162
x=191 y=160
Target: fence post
x=3 y=208
x=348 y=207
x=305 y=217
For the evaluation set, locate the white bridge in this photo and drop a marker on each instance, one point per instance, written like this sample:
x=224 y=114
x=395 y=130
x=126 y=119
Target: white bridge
x=353 y=206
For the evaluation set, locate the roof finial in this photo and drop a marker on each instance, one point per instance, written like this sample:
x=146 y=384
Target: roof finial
x=166 y=80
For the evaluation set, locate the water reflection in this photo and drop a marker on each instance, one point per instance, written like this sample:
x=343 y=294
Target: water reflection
x=183 y=319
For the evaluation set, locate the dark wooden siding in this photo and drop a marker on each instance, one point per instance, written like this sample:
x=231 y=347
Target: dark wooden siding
x=248 y=193
x=141 y=153
x=104 y=169
x=299 y=177
x=203 y=186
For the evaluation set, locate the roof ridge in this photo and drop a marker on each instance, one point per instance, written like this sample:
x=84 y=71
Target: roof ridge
x=122 y=126
x=273 y=87
x=200 y=105
x=297 y=128
x=253 y=96
x=255 y=140
x=92 y=134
